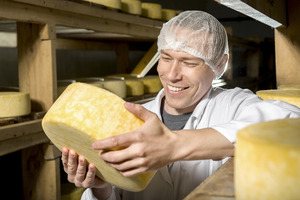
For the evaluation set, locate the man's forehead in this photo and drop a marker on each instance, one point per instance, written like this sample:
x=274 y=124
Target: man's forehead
x=181 y=54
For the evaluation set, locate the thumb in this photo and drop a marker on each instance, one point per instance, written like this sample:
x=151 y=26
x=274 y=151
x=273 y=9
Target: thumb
x=138 y=110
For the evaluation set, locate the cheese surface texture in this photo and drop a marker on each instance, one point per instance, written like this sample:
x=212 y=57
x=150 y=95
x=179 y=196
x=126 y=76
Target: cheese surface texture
x=132 y=6
x=85 y=113
x=289 y=96
x=151 y=83
x=267 y=161
x=13 y=104
x=151 y=10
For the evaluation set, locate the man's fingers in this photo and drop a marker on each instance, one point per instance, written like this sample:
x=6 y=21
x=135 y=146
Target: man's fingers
x=65 y=158
x=81 y=171
x=121 y=141
x=138 y=110
x=72 y=165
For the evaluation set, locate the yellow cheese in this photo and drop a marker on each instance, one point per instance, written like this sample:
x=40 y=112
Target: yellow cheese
x=289 y=96
x=132 y=6
x=13 y=104
x=289 y=87
x=151 y=10
x=167 y=14
x=267 y=161
x=117 y=87
x=152 y=84
x=108 y=3
x=85 y=113
x=134 y=86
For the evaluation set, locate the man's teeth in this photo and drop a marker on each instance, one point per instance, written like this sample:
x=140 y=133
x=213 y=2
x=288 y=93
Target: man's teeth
x=174 y=89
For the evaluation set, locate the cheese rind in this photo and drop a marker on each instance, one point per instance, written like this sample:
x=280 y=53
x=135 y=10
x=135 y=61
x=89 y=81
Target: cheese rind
x=167 y=14
x=85 y=113
x=132 y=6
x=108 y=3
x=152 y=84
x=289 y=96
x=14 y=104
x=151 y=10
x=289 y=87
x=267 y=161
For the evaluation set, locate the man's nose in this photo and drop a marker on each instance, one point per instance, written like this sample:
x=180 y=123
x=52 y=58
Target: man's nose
x=174 y=71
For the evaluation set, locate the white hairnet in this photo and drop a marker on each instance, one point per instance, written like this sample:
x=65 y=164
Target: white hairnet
x=198 y=34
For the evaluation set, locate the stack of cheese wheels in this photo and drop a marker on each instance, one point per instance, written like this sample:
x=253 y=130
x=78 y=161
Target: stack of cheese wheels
x=151 y=83
x=14 y=104
x=267 y=161
x=151 y=10
x=132 y=6
x=289 y=96
x=85 y=113
x=108 y=3
x=289 y=87
x=167 y=14
x=134 y=86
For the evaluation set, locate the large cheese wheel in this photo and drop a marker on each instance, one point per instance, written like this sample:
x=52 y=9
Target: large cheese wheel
x=132 y=6
x=108 y=3
x=152 y=84
x=14 y=104
x=151 y=10
x=267 y=161
x=115 y=86
x=85 y=113
x=289 y=96
x=289 y=87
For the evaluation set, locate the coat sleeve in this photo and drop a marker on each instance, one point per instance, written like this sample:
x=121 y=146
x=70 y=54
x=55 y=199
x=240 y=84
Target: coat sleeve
x=247 y=108
x=88 y=195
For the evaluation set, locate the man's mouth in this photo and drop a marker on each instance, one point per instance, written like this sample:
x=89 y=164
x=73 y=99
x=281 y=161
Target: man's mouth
x=175 y=89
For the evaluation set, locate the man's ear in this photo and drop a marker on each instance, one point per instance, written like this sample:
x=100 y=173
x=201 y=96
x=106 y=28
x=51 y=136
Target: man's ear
x=222 y=64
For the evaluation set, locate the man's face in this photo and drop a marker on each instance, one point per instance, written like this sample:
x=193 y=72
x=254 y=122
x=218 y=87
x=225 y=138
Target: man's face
x=185 y=78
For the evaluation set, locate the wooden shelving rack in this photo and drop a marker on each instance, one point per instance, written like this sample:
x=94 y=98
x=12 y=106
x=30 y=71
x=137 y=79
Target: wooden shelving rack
x=37 y=23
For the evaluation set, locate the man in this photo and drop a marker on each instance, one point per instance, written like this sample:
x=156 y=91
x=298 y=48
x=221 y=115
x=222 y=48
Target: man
x=190 y=128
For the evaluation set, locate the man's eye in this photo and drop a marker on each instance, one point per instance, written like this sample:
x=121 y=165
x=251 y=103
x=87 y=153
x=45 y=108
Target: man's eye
x=166 y=58
x=190 y=64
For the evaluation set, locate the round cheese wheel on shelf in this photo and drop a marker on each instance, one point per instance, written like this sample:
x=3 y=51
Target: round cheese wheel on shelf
x=267 y=161
x=152 y=84
x=289 y=87
x=167 y=14
x=134 y=86
x=151 y=10
x=108 y=3
x=14 y=104
x=289 y=96
x=132 y=6
x=85 y=113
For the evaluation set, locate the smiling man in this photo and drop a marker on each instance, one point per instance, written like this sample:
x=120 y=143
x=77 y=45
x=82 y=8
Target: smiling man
x=190 y=128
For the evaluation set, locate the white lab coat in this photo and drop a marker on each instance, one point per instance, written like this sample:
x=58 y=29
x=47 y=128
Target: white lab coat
x=227 y=111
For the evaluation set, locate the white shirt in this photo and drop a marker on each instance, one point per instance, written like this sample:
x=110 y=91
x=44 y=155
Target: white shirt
x=227 y=111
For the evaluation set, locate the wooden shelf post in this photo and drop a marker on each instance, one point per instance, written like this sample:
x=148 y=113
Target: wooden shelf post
x=37 y=75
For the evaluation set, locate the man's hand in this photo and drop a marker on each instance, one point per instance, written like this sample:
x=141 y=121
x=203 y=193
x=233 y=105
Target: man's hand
x=148 y=148
x=76 y=168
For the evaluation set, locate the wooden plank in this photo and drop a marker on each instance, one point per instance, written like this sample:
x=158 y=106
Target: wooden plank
x=287 y=47
x=41 y=178
x=37 y=63
x=79 y=7
x=20 y=129
x=273 y=13
x=219 y=184
x=34 y=14
x=85 y=44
